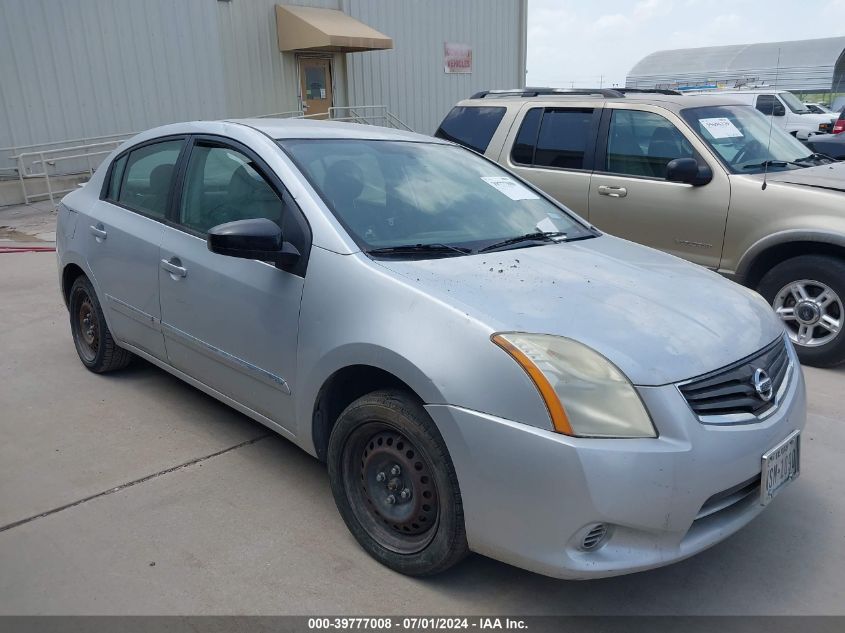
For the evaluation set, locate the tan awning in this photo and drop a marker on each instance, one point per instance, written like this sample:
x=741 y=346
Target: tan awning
x=312 y=29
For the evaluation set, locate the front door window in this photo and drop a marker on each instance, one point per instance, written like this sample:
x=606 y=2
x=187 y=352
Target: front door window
x=643 y=143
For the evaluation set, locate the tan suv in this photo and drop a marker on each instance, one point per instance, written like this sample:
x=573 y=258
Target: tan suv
x=708 y=180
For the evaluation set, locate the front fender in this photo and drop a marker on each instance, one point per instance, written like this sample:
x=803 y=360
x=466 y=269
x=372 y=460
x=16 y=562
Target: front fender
x=781 y=238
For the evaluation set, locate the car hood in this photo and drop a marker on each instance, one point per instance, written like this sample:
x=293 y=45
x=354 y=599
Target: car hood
x=658 y=318
x=824 y=176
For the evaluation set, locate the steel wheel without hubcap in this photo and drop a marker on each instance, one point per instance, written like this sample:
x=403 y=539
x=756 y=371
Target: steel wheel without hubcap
x=88 y=332
x=391 y=487
x=811 y=311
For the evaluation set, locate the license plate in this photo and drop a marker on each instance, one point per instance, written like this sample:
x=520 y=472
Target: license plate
x=780 y=466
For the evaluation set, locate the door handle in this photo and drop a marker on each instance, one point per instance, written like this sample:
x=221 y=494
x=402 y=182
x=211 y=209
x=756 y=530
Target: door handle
x=172 y=266
x=613 y=192
x=99 y=232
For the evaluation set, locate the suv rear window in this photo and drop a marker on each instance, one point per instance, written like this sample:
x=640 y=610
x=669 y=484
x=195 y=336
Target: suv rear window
x=472 y=127
x=561 y=140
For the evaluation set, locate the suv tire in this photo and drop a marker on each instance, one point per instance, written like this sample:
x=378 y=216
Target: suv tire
x=808 y=293
x=395 y=486
x=97 y=350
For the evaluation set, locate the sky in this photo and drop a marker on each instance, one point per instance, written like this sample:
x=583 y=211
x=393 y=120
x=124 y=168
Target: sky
x=594 y=43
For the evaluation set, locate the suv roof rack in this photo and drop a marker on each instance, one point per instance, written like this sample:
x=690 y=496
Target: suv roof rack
x=653 y=91
x=538 y=92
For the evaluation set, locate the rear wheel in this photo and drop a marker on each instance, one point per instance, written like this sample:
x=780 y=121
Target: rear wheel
x=395 y=486
x=94 y=343
x=808 y=294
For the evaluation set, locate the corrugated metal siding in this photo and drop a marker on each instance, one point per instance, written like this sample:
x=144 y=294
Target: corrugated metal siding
x=259 y=79
x=82 y=68
x=805 y=65
x=86 y=68
x=410 y=79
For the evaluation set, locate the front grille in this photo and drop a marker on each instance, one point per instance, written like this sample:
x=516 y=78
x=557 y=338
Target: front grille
x=731 y=391
x=730 y=497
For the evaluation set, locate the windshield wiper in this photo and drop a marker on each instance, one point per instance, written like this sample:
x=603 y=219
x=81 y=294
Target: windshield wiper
x=539 y=236
x=772 y=163
x=815 y=156
x=418 y=249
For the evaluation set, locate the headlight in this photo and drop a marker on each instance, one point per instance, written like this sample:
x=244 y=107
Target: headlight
x=586 y=395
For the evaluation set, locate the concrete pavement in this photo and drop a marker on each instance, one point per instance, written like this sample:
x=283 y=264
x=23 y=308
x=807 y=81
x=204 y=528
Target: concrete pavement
x=135 y=493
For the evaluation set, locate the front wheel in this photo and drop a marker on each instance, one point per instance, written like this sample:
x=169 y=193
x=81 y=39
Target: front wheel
x=395 y=486
x=807 y=293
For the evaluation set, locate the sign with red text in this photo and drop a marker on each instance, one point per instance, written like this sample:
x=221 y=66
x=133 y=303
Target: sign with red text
x=457 y=58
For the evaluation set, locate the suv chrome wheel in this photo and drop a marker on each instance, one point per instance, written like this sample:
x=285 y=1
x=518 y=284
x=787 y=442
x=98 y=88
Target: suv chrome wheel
x=811 y=310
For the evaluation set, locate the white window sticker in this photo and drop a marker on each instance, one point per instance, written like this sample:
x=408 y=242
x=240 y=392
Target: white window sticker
x=721 y=127
x=511 y=188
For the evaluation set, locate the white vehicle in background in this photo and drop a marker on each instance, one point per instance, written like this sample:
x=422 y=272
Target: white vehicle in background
x=787 y=110
x=817 y=108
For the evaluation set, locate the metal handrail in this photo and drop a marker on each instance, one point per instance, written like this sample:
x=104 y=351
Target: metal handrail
x=48 y=158
x=37 y=162
x=290 y=114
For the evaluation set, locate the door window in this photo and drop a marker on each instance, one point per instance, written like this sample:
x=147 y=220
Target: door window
x=526 y=138
x=766 y=104
x=642 y=144
x=115 y=177
x=563 y=138
x=147 y=178
x=224 y=185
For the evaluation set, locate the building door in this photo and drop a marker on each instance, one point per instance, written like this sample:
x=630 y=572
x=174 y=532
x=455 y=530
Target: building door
x=315 y=77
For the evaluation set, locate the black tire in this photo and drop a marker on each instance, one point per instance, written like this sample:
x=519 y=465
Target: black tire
x=378 y=431
x=819 y=271
x=94 y=343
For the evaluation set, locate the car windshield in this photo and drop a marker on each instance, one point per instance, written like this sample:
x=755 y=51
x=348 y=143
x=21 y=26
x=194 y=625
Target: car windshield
x=746 y=141
x=406 y=198
x=794 y=103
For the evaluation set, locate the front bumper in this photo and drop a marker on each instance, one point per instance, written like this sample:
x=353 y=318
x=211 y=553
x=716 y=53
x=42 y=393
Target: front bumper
x=529 y=493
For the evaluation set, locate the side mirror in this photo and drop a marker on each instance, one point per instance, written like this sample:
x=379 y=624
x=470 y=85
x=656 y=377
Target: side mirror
x=688 y=171
x=259 y=238
x=778 y=110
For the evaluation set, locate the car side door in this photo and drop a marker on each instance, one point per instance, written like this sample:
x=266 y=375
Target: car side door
x=123 y=231
x=232 y=323
x=631 y=198
x=553 y=148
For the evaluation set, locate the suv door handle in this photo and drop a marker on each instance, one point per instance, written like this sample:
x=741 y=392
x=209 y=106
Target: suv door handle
x=99 y=232
x=173 y=266
x=613 y=192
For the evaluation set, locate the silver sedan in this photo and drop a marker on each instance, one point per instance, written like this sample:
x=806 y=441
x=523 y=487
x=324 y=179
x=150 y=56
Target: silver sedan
x=480 y=368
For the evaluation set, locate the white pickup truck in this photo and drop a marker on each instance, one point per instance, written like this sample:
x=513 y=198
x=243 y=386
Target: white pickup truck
x=785 y=108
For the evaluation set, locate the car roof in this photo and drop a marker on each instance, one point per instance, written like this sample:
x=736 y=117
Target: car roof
x=671 y=102
x=315 y=129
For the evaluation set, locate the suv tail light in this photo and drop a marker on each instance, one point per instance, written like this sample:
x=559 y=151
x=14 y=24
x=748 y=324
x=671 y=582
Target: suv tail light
x=839 y=126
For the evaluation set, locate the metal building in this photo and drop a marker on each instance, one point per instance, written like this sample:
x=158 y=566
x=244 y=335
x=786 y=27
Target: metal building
x=810 y=66
x=86 y=72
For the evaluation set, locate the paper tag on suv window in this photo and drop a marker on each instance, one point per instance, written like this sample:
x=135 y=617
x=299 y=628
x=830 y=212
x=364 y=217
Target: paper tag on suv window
x=721 y=127
x=511 y=188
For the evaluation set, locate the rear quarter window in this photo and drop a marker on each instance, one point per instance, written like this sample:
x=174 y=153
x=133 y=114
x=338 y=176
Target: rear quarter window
x=472 y=127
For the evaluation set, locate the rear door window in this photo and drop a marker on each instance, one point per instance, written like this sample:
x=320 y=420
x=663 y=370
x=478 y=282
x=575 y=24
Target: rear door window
x=563 y=138
x=526 y=138
x=115 y=178
x=148 y=176
x=472 y=127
